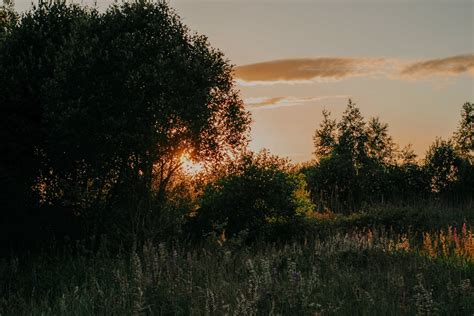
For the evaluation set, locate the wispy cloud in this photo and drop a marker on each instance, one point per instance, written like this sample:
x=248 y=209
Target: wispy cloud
x=449 y=66
x=326 y=69
x=266 y=103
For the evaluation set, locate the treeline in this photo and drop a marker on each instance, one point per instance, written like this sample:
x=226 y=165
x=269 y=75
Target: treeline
x=357 y=166
x=97 y=110
x=357 y=163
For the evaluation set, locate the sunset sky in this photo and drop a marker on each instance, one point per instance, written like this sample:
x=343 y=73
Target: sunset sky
x=409 y=62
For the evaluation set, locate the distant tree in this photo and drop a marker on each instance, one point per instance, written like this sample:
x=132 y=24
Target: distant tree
x=407 y=155
x=352 y=135
x=463 y=139
x=341 y=153
x=380 y=146
x=408 y=181
x=254 y=191
x=98 y=106
x=333 y=183
x=464 y=135
x=374 y=174
x=442 y=163
x=325 y=138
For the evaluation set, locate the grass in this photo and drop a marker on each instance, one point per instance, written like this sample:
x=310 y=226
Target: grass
x=418 y=217
x=366 y=271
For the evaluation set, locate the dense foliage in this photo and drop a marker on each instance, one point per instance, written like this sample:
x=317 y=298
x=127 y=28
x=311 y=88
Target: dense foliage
x=97 y=109
x=358 y=164
x=253 y=191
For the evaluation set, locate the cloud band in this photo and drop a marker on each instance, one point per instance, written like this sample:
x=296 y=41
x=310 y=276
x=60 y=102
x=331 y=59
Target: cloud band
x=307 y=70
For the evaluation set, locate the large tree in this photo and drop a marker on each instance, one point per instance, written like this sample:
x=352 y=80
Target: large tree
x=96 y=106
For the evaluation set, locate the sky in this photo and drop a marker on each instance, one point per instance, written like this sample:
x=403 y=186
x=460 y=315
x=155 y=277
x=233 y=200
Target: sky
x=409 y=62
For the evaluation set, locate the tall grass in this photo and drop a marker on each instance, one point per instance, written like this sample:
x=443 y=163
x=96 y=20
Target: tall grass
x=363 y=272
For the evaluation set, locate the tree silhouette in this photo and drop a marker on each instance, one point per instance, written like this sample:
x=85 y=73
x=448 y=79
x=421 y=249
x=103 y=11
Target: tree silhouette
x=442 y=165
x=97 y=106
x=407 y=155
x=358 y=163
x=464 y=135
x=463 y=139
x=380 y=146
x=325 y=137
x=352 y=136
x=254 y=191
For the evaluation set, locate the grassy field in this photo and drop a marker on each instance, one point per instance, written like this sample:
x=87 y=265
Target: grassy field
x=352 y=271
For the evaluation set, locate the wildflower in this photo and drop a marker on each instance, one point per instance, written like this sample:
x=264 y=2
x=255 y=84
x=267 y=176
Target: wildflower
x=296 y=276
x=444 y=243
x=403 y=244
x=370 y=238
x=428 y=245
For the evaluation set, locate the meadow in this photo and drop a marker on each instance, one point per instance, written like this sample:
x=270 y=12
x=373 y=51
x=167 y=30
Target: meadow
x=342 y=270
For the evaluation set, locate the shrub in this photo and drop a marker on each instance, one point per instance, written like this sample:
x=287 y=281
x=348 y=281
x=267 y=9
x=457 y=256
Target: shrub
x=257 y=190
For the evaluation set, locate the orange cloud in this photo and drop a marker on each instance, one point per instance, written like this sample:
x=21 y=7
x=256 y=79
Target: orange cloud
x=324 y=69
x=443 y=66
x=308 y=69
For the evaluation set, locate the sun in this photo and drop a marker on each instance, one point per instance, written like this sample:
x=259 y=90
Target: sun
x=190 y=166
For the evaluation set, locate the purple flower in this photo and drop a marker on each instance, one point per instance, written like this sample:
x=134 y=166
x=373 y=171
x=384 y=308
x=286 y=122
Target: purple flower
x=296 y=277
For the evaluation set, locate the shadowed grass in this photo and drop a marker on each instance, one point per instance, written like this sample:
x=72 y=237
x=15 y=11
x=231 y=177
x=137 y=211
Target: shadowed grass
x=366 y=272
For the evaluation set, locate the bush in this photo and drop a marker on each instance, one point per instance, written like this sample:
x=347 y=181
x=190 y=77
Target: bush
x=257 y=190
